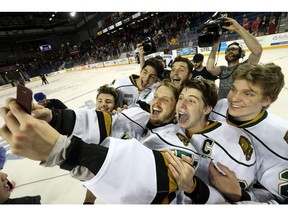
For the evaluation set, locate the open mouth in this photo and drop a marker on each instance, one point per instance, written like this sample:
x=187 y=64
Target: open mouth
x=176 y=80
x=156 y=111
x=182 y=117
x=144 y=84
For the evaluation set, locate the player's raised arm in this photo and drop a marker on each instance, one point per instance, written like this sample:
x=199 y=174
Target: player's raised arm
x=28 y=137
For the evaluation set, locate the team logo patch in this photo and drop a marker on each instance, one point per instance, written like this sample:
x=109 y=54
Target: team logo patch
x=183 y=139
x=246 y=147
x=286 y=137
x=125 y=136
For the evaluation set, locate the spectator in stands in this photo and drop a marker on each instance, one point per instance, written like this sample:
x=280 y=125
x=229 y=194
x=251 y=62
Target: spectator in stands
x=272 y=26
x=174 y=43
x=42 y=100
x=247 y=25
x=255 y=26
x=277 y=15
x=187 y=25
x=263 y=26
x=232 y=55
x=200 y=71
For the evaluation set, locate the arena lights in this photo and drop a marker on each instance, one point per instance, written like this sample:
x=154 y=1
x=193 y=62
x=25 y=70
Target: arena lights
x=73 y=14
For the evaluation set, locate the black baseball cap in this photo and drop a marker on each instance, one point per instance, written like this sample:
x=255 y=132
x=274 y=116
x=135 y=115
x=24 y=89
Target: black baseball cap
x=198 y=57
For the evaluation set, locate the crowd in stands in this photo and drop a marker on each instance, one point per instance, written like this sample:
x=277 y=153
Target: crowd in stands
x=168 y=29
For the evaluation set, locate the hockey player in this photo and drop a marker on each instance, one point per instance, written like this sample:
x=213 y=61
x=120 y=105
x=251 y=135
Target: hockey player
x=181 y=71
x=165 y=139
x=102 y=169
x=138 y=87
x=107 y=99
x=215 y=141
x=254 y=88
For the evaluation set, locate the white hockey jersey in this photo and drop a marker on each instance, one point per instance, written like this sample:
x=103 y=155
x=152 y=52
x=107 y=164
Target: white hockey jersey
x=132 y=172
x=92 y=127
x=269 y=135
x=129 y=91
x=170 y=137
x=220 y=142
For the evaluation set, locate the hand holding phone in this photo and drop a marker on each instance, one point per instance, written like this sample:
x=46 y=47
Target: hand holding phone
x=24 y=98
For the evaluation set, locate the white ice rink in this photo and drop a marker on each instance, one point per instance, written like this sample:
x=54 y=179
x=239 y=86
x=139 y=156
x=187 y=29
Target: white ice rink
x=78 y=89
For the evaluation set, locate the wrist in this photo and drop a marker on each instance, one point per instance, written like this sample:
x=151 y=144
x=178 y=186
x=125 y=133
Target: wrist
x=192 y=188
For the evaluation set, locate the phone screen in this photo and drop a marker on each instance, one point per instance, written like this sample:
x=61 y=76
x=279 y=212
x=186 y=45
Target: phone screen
x=24 y=97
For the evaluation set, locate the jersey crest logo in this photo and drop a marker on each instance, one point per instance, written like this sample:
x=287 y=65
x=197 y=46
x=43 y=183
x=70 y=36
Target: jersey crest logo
x=125 y=136
x=246 y=147
x=286 y=137
x=183 y=139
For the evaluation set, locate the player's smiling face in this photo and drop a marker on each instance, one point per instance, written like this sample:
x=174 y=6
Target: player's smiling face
x=179 y=73
x=245 y=100
x=162 y=106
x=148 y=76
x=105 y=102
x=190 y=110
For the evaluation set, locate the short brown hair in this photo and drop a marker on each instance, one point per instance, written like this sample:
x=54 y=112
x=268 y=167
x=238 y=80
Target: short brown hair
x=106 y=89
x=156 y=64
x=208 y=89
x=267 y=76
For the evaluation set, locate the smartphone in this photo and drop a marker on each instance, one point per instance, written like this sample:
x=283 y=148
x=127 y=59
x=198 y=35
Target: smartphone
x=24 y=98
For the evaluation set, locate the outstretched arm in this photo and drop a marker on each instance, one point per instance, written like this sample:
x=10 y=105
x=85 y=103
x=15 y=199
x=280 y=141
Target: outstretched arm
x=28 y=137
x=141 y=55
x=252 y=43
x=36 y=139
x=210 y=65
